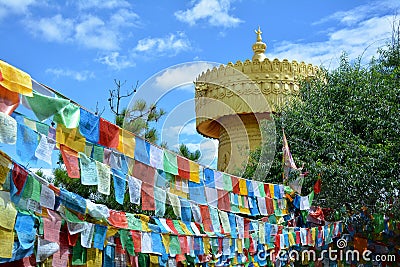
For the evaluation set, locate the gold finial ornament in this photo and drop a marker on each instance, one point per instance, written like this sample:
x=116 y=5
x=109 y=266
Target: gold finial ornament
x=258 y=32
x=259 y=47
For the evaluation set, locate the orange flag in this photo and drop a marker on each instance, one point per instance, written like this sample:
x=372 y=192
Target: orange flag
x=70 y=158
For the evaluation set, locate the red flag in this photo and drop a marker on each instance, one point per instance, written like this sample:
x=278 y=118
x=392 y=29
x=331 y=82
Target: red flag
x=19 y=176
x=137 y=244
x=184 y=244
x=205 y=215
x=9 y=100
x=223 y=200
x=235 y=185
x=183 y=167
x=118 y=219
x=109 y=134
x=317 y=186
x=148 y=197
x=171 y=226
x=144 y=172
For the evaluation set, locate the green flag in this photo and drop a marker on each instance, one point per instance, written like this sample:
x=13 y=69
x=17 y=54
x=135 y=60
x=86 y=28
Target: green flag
x=45 y=106
x=170 y=162
x=69 y=116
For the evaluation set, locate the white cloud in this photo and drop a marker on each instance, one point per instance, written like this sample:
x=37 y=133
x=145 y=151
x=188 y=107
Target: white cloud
x=187 y=129
x=56 y=29
x=76 y=75
x=124 y=18
x=358 y=32
x=363 y=12
x=11 y=7
x=105 y=33
x=101 y=4
x=180 y=75
x=209 y=152
x=215 y=12
x=93 y=32
x=361 y=39
x=87 y=30
x=116 y=61
x=168 y=45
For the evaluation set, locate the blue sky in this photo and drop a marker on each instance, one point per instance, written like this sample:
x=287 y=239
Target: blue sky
x=78 y=47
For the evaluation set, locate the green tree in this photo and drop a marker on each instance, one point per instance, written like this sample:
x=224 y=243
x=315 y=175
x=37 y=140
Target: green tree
x=185 y=152
x=345 y=126
x=137 y=119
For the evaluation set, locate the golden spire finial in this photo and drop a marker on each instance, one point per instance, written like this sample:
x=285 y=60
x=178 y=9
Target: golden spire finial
x=258 y=32
x=259 y=47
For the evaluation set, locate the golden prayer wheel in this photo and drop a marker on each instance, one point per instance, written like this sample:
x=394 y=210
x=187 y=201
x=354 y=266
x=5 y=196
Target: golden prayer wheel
x=233 y=99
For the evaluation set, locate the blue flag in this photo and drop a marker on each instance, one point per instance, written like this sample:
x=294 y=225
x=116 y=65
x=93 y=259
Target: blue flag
x=73 y=201
x=186 y=210
x=142 y=150
x=157 y=243
x=27 y=142
x=196 y=192
x=119 y=185
x=100 y=232
x=89 y=126
x=253 y=206
x=209 y=178
x=109 y=256
x=18 y=253
x=250 y=190
x=232 y=224
x=26 y=231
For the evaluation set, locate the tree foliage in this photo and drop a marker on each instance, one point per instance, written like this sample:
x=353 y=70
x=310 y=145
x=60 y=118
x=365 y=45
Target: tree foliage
x=345 y=126
x=185 y=152
x=139 y=117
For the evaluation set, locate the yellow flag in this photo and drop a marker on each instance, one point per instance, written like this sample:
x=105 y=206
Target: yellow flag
x=271 y=190
x=126 y=143
x=111 y=231
x=243 y=187
x=5 y=165
x=194 y=172
x=292 y=241
x=153 y=260
x=15 y=79
x=7 y=211
x=313 y=235
x=239 y=245
x=184 y=228
x=7 y=243
x=207 y=246
x=70 y=138
x=165 y=240
x=145 y=220
x=94 y=257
